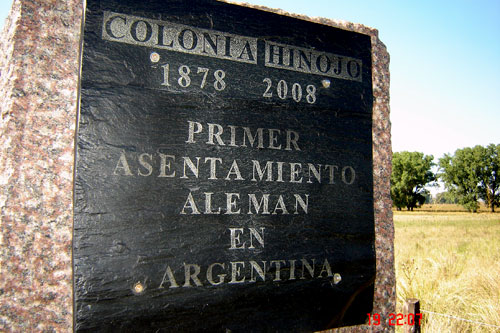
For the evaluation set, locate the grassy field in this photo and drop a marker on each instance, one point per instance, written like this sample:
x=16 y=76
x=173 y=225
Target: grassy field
x=450 y=261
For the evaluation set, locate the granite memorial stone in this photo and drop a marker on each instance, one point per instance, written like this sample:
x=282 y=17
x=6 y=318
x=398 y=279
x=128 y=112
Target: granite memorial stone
x=211 y=167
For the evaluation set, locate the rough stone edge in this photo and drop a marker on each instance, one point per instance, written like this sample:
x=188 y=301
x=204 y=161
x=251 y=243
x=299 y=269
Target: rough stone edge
x=385 y=283
x=38 y=85
x=30 y=300
x=7 y=75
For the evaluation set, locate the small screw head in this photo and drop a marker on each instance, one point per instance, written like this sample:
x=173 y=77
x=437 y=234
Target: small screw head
x=337 y=278
x=138 y=288
x=326 y=83
x=154 y=57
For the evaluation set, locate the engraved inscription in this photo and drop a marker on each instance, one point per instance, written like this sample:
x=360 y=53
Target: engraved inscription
x=177 y=37
x=210 y=168
x=223 y=178
x=184 y=77
x=236 y=272
x=296 y=92
x=141 y=31
x=312 y=62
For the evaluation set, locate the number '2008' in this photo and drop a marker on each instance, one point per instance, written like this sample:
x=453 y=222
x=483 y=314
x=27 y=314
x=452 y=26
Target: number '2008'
x=296 y=92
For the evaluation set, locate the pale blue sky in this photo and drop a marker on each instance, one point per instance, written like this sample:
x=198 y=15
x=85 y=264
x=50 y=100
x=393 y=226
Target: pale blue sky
x=445 y=65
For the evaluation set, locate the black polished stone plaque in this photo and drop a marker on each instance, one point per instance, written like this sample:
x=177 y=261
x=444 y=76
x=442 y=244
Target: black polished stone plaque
x=224 y=171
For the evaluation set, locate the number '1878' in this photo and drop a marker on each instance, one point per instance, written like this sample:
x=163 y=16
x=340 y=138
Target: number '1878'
x=185 y=77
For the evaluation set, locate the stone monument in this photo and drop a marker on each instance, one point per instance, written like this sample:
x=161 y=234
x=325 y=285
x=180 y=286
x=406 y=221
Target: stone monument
x=179 y=167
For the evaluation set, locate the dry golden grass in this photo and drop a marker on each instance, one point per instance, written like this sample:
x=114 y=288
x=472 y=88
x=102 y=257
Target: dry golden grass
x=451 y=263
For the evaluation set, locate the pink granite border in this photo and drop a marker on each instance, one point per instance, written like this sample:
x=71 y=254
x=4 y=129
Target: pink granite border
x=39 y=83
x=38 y=99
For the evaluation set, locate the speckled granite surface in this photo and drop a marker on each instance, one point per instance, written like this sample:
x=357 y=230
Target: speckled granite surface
x=38 y=87
x=38 y=99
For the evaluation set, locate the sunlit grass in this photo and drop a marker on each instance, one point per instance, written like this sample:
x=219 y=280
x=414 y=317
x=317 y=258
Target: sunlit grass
x=451 y=263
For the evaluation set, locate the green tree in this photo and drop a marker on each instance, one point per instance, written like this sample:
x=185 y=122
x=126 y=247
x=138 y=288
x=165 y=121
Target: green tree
x=489 y=186
x=445 y=198
x=461 y=177
x=472 y=174
x=411 y=171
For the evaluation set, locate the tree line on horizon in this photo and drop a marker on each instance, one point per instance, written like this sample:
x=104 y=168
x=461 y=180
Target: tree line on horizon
x=470 y=175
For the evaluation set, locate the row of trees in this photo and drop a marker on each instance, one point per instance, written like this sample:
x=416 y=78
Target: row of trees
x=470 y=175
